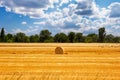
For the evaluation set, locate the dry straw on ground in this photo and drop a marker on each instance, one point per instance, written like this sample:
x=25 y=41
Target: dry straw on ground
x=36 y=61
x=59 y=50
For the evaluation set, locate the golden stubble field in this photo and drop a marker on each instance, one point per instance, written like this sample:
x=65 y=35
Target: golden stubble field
x=38 y=61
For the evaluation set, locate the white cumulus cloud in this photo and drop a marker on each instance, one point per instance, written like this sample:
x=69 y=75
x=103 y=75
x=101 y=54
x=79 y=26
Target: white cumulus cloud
x=24 y=23
x=114 y=10
x=76 y=15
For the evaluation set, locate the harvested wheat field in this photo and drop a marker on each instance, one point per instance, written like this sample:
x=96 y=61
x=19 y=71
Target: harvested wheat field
x=38 y=61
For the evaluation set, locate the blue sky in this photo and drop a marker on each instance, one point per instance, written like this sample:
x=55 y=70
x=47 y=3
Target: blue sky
x=86 y=16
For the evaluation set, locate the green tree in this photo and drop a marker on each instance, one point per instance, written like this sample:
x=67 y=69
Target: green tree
x=78 y=37
x=109 y=38
x=21 y=37
x=116 y=39
x=92 y=37
x=27 y=39
x=88 y=39
x=34 y=38
x=2 y=35
x=102 y=34
x=9 y=38
x=50 y=40
x=44 y=35
x=61 y=37
x=71 y=36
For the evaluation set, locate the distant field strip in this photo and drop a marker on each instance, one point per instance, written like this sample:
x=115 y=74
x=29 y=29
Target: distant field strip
x=39 y=62
x=49 y=48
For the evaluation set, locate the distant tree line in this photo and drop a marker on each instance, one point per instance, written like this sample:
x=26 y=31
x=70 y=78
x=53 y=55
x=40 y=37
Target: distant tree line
x=45 y=37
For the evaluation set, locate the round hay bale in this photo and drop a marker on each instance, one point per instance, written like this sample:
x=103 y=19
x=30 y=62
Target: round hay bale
x=58 y=50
